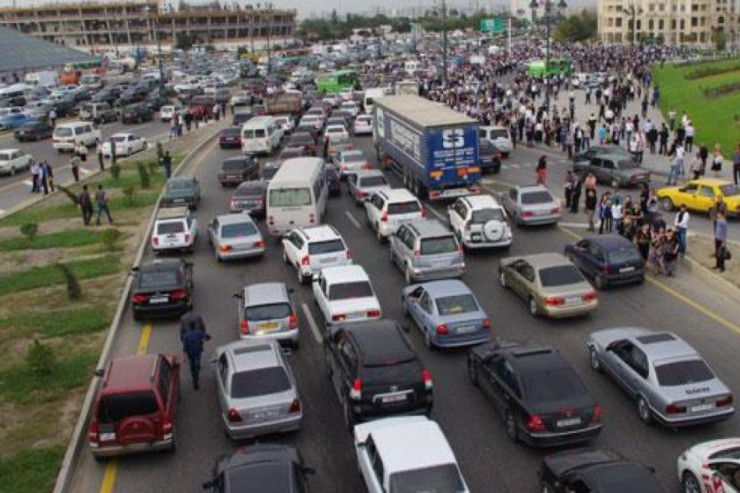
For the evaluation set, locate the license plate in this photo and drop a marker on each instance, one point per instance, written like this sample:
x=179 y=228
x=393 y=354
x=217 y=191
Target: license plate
x=329 y=260
x=267 y=327
x=158 y=299
x=573 y=299
x=626 y=269
x=266 y=414
x=178 y=201
x=475 y=237
x=354 y=316
x=701 y=408
x=107 y=437
x=466 y=329
x=568 y=422
x=387 y=399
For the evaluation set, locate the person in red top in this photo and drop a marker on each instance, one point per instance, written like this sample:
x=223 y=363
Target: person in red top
x=542 y=171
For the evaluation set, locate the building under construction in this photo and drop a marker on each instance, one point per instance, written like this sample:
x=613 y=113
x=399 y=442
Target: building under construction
x=101 y=26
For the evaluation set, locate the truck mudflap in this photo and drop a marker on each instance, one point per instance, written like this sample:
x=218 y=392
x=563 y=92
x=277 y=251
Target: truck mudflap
x=448 y=193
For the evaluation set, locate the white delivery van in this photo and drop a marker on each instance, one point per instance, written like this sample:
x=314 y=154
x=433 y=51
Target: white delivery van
x=261 y=135
x=296 y=195
x=67 y=135
x=371 y=95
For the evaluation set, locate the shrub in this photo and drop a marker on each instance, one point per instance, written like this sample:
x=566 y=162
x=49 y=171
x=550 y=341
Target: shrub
x=74 y=290
x=128 y=195
x=40 y=359
x=143 y=175
x=115 y=171
x=110 y=238
x=29 y=230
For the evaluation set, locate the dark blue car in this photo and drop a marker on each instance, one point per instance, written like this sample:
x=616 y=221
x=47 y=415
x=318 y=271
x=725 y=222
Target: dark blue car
x=12 y=121
x=332 y=180
x=607 y=259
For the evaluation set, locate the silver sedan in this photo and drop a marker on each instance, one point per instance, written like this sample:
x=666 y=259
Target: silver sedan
x=235 y=236
x=362 y=184
x=531 y=205
x=668 y=379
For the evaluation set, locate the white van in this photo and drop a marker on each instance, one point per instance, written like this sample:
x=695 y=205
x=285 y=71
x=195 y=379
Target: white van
x=67 y=135
x=44 y=78
x=91 y=81
x=371 y=95
x=296 y=195
x=261 y=135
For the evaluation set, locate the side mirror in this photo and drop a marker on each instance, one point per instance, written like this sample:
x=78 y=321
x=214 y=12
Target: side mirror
x=99 y=372
x=238 y=295
x=612 y=346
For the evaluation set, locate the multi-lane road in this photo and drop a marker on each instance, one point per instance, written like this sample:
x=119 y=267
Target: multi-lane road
x=692 y=305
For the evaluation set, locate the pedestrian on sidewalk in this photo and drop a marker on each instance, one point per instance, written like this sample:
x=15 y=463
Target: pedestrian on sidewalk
x=616 y=214
x=35 y=174
x=720 y=241
x=541 y=171
x=719 y=205
x=192 y=335
x=670 y=252
x=605 y=213
x=43 y=178
x=576 y=198
x=717 y=161
x=696 y=167
x=663 y=137
x=590 y=207
x=689 y=136
x=101 y=199
x=86 y=205
x=672 y=119
x=676 y=155
x=642 y=240
x=49 y=175
x=81 y=151
x=681 y=223
x=736 y=165
x=74 y=165
x=568 y=187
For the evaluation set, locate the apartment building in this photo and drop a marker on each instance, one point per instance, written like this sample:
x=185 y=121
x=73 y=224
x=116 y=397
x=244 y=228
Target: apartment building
x=101 y=26
x=673 y=21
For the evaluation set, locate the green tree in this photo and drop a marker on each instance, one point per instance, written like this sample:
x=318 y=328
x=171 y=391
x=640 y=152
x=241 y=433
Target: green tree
x=579 y=27
x=183 y=41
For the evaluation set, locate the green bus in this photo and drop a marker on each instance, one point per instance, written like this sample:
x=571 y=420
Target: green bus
x=536 y=68
x=336 y=81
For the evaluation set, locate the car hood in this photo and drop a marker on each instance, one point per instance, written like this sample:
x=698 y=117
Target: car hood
x=562 y=462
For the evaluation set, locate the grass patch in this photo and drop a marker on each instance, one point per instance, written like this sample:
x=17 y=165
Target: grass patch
x=31 y=470
x=49 y=275
x=56 y=323
x=130 y=178
x=70 y=238
x=713 y=118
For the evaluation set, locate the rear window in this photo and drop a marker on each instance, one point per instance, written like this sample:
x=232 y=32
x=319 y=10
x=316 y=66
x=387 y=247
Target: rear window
x=238 y=230
x=373 y=181
x=623 y=254
x=290 y=197
x=179 y=185
x=255 y=383
x=404 y=207
x=115 y=407
x=561 y=275
x=541 y=197
x=433 y=246
x=352 y=157
x=260 y=133
x=683 y=373
x=553 y=386
x=437 y=479
x=236 y=165
x=331 y=246
x=453 y=305
x=158 y=279
x=499 y=134
x=349 y=290
x=484 y=215
x=267 y=312
x=63 y=132
x=170 y=228
x=250 y=191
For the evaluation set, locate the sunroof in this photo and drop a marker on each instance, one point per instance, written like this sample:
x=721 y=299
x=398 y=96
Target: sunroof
x=652 y=338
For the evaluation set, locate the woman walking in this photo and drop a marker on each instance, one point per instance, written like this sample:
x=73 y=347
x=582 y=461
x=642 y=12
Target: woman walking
x=542 y=171
x=656 y=254
x=643 y=239
x=670 y=252
x=717 y=161
x=605 y=213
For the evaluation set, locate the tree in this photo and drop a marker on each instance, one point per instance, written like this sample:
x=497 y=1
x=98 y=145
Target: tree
x=580 y=27
x=334 y=16
x=183 y=41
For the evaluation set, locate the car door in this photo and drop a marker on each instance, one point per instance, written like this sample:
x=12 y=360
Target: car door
x=705 y=198
x=213 y=233
x=422 y=310
x=595 y=167
x=319 y=288
x=726 y=472
x=372 y=208
x=502 y=384
x=621 y=365
x=525 y=279
x=607 y=171
x=222 y=380
x=346 y=368
x=686 y=195
x=457 y=214
x=593 y=259
x=291 y=248
x=580 y=250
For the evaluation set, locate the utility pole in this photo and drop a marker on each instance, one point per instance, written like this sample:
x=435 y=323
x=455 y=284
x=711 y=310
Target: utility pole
x=269 y=28
x=444 y=43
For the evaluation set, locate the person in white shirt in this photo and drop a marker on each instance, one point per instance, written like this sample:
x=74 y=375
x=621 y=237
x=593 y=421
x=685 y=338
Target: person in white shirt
x=617 y=213
x=689 y=136
x=682 y=226
x=35 y=175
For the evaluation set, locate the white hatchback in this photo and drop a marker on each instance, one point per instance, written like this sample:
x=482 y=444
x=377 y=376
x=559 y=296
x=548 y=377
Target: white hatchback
x=479 y=221
x=13 y=160
x=345 y=294
x=174 y=229
x=311 y=249
x=386 y=210
x=125 y=144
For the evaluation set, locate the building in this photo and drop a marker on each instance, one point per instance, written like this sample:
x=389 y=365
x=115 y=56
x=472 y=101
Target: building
x=673 y=21
x=101 y=26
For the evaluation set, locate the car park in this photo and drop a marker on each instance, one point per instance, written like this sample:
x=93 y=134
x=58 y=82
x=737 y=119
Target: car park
x=362 y=184
x=33 y=131
x=14 y=160
x=375 y=372
x=311 y=249
x=351 y=161
x=249 y=197
x=126 y=144
x=530 y=205
x=424 y=249
x=230 y=137
x=607 y=259
x=363 y=125
x=408 y=453
x=256 y=389
x=540 y=398
x=613 y=169
x=663 y=374
x=549 y=283
x=701 y=195
x=179 y=191
x=386 y=210
x=135 y=408
x=710 y=467
x=161 y=288
x=175 y=228
x=345 y=294
x=237 y=169
x=235 y=236
x=479 y=221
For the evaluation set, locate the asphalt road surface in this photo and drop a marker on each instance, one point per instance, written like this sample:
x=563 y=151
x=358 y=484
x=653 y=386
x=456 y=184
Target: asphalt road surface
x=692 y=305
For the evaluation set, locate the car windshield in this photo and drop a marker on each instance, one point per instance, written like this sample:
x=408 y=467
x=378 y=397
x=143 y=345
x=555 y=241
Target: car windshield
x=623 y=254
x=267 y=312
x=438 y=479
x=683 y=373
x=373 y=181
x=263 y=381
x=290 y=197
x=454 y=305
x=238 y=230
x=116 y=407
x=349 y=290
x=499 y=134
x=179 y=185
x=63 y=132
x=552 y=386
x=352 y=157
x=729 y=190
x=403 y=207
x=482 y=216
x=170 y=227
x=560 y=275
x=158 y=279
x=249 y=191
x=331 y=246
x=540 y=197
x=434 y=246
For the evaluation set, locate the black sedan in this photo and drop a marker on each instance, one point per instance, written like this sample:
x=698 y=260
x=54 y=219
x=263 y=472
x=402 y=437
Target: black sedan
x=162 y=288
x=33 y=131
x=490 y=157
x=541 y=399
x=230 y=137
x=249 y=197
x=136 y=114
x=303 y=139
x=607 y=259
x=588 y=469
x=237 y=169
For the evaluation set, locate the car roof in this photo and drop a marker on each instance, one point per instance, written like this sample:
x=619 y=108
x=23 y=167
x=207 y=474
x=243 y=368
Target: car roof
x=343 y=273
x=662 y=345
x=529 y=359
x=542 y=260
x=396 y=194
x=173 y=213
x=531 y=188
x=251 y=355
x=609 y=241
x=176 y=179
x=130 y=372
x=161 y=264
x=428 y=227
x=446 y=287
x=321 y=232
x=234 y=219
x=710 y=181
x=265 y=293
x=379 y=340
x=482 y=201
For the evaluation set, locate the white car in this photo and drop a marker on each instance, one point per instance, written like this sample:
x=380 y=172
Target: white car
x=362 y=184
x=174 y=229
x=240 y=98
x=311 y=249
x=331 y=99
x=346 y=94
x=286 y=122
x=336 y=133
x=344 y=294
x=315 y=120
x=13 y=160
x=168 y=112
x=126 y=144
x=499 y=136
x=711 y=467
x=386 y=210
x=406 y=453
x=350 y=107
x=363 y=125
x=479 y=221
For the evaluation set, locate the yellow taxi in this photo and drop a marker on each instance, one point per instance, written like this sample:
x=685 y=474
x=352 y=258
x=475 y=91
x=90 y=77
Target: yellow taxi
x=701 y=195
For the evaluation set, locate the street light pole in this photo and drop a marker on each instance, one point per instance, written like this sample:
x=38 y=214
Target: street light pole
x=444 y=43
x=269 y=28
x=548 y=18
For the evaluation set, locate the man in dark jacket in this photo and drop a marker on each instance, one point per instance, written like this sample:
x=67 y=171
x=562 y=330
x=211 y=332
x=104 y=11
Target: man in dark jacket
x=193 y=335
x=86 y=205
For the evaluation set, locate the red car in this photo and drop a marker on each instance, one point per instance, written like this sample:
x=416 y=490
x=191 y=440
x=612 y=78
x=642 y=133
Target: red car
x=136 y=406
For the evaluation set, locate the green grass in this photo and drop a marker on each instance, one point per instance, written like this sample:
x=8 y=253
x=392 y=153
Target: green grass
x=716 y=120
x=56 y=323
x=69 y=238
x=130 y=177
x=49 y=275
x=31 y=470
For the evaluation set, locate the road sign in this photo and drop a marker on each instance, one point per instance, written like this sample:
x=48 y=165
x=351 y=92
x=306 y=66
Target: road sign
x=494 y=25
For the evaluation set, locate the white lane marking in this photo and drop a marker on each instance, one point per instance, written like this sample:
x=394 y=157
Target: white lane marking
x=437 y=214
x=28 y=182
x=352 y=219
x=312 y=323
x=514 y=165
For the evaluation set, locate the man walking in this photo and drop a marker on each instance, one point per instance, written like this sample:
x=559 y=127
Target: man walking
x=193 y=334
x=167 y=164
x=99 y=151
x=86 y=205
x=49 y=175
x=682 y=226
x=35 y=175
x=736 y=165
x=52 y=118
x=720 y=240
x=101 y=199
x=74 y=165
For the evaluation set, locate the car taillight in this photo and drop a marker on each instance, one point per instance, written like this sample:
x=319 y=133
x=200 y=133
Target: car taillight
x=527 y=214
x=555 y=210
x=178 y=294
x=725 y=401
x=423 y=211
x=606 y=268
x=244 y=327
x=225 y=248
x=442 y=329
x=384 y=217
x=139 y=298
x=366 y=166
x=311 y=218
x=295 y=406
x=293 y=321
x=373 y=313
x=350 y=255
x=535 y=424
x=554 y=301
x=596 y=418
x=187 y=237
x=93 y=433
x=233 y=416
x=589 y=296
x=674 y=409
x=338 y=318
x=356 y=392
x=305 y=260
x=486 y=323
x=362 y=195
x=259 y=244
x=155 y=241
x=426 y=377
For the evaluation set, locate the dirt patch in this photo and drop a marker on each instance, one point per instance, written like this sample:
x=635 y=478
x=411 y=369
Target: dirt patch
x=701 y=249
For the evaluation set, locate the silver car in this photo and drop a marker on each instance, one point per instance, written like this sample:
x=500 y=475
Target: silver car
x=362 y=184
x=235 y=236
x=256 y=389
x=531 y=205
x=668 y=379
x=266 y=312
x=425 y=250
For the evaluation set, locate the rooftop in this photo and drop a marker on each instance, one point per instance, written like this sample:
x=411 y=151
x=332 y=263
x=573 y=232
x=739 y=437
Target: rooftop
x=22 y=52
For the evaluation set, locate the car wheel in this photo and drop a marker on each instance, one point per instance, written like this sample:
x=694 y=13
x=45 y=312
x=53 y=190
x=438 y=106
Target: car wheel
x=643 y=411
x=534 y=310
x=689 y=483
x=502 y=280
x=472 y=373
x=510 y=425
x=593 y=358
x=349 y=415
x=600 y=282
x=546 y=488
x=667 y=204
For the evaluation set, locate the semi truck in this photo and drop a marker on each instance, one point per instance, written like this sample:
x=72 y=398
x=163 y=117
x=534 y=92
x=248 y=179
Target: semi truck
x=432 y=147
x=284 y=103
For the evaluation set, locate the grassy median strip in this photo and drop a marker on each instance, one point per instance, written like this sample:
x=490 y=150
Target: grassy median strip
x=55 y=323
x=31 y=470
x=69 y=238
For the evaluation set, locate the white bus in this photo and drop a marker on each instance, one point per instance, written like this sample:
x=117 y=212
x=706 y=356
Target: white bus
x=261 y=135
x=296 y=195
x=371 y=95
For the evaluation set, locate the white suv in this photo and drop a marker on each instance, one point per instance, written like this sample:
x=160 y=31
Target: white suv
x=388 y=209
x=311 y=249
x=479 y=221
x=174 y=229
x=345 y=294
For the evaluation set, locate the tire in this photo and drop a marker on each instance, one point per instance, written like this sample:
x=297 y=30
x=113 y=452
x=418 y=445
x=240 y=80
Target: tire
x=593 y=359
x=643 y=411
x=666 y=203
x=534 y=310
x=689 y=483
x=472 y=374
x=546 y=488
x=510 y=427
x=348 y=414
x=502 y=280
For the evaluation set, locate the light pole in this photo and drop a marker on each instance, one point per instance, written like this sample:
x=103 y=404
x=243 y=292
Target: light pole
x=550 y=6
x=632 y=11
x=269 y=28
x=155 y=24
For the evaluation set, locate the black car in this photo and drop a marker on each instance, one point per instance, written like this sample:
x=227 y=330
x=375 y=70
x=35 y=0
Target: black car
x=136 y=114
x=249 y=197
x=260 y=467
x=490 y=157
x=237 y=169
x=303 y=139
x=33 y=131
x=592 y=470
x=541 y=399
x=268 y=170
x=290 y=152
x=241 y=118
x=106 y=95
x=155 y=101
x=230 y=137
x=333 y=180
x=134 y=94
x=162 y=288
x=608 y=259
x=307 y=128
x=375 y=371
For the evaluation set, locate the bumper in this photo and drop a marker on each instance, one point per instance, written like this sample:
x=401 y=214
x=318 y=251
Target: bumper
x=155 y=311
x=177 y=203
x=230 y=181
x=558 y=439
x=289 y=336
x=433 y=273
x=240 y=431
x=470 y=244
x=239 y=254
x=368 y=412
x=172 y=248
x=539 y=220
x=681 y=422
x=570 y=311
x=63 y=146
x=457 y=340
x=626 y=278
x=134 y=448
x=231 y=145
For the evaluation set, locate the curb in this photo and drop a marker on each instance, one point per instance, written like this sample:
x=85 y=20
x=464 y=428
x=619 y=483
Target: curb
x=72 y=454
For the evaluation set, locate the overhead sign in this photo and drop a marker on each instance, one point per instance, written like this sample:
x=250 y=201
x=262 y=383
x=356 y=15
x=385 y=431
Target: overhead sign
x=494 y=25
